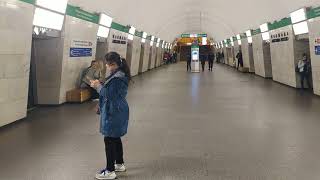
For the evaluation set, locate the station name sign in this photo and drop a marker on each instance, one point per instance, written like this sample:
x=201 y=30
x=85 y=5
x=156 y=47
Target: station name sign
x=280 y=37
x=193 y=35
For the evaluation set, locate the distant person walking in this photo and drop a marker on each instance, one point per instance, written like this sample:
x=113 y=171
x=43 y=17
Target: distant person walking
x=189 y=62
x=203 y=61
x=211 y=60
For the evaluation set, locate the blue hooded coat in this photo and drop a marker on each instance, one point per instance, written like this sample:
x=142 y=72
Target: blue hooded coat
x=114 y=109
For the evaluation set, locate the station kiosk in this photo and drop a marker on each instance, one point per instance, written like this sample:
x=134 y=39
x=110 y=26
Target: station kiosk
x=195 y=59
x=261 y=53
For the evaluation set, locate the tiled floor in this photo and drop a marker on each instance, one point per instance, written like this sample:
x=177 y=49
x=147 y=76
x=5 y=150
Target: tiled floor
x=223 y=125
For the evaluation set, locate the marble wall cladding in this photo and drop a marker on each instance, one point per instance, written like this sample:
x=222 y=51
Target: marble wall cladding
x=230 y=56
x=120 y=48
x=72 y=67
x=102 y=50
x=145 y=57
x=153 y=57
x=314 y=33
x=135 y=61
x=158 y=61
x=245 y=53
x=225 y=52
x=15 y=51
x=48 y=54
x=236 y=49
x=262 y=57
x=283 y=58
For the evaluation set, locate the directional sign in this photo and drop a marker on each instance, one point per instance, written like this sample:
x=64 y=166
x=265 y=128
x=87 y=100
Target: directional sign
x=80 y=52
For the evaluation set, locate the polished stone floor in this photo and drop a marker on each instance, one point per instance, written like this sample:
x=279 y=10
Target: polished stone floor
x=223 y=125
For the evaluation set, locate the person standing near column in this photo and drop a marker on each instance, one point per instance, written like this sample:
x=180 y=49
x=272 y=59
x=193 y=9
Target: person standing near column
x=240 y=59
x=304 y=69
x=114 y=113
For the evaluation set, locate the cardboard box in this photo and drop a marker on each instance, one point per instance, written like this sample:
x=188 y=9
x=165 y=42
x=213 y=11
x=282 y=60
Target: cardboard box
x=78 y=95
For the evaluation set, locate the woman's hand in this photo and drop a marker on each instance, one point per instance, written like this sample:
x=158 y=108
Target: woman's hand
x=95 y=83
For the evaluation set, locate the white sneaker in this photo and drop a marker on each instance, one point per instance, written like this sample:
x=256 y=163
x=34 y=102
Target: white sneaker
x=120 y=168
x=104 y=174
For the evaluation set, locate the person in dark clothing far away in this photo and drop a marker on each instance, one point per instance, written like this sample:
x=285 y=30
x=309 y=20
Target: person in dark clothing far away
x=240 y=59
x=188 y=62
x=203 y=61
x=210 y=60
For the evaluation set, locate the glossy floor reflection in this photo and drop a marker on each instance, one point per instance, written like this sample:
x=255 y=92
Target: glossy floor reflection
x=223 y=125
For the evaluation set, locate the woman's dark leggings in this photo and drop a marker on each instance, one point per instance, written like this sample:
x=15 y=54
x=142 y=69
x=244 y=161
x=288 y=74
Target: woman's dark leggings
x=114 y=152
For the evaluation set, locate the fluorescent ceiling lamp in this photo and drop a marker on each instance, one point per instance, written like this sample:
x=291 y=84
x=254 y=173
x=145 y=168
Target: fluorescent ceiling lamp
x=264 y=27
x=152 y=38
x=144 y=35
x=103 y=32
x=265 y=36
x=193 y=35
x=130 y=37
x=105 y=20
x=298 y=16
x=55 y=5
x=249 y=39
x=301 y=28
x=239 y=42
x=143 y=40
x=48 y=19
x=151 y=43
x=132 y=30
x=238 y=37
x=248 y=33
x=204 y=41
x=158 y=40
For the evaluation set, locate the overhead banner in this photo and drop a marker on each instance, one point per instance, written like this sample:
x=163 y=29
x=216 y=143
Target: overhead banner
x=81 y=48
x=81 y=14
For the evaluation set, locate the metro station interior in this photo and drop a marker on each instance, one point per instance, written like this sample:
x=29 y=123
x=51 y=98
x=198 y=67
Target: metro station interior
x=254 y=116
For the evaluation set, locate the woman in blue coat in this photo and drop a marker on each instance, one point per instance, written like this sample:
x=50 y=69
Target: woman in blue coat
x=114 y=113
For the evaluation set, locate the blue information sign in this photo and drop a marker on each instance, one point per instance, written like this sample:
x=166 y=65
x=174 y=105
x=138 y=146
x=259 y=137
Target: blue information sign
x=80 y=52
x=317 y=50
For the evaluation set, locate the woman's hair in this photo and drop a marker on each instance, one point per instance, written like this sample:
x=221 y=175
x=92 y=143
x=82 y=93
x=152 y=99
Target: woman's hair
x=115 y=58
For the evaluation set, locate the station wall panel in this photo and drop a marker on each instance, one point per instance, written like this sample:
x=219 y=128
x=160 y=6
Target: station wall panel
x=15 y=52
x=145 y=57
x=72 y=67
x=314 y=34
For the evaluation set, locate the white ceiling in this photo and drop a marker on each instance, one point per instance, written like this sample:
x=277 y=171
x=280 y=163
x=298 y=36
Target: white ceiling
x=221 y=19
